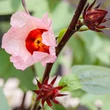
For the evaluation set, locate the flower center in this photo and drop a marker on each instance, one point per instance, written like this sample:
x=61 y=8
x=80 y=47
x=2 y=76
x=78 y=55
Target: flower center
x=34 y=41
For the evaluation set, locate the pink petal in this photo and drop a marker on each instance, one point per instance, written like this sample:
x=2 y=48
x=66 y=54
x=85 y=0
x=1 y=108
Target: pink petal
x=49 y=38
x=47 y=21
x=19 y=19
x=48 y=59
x=21 y=63
x=52 y=50
x=9 y=43
x=14 y=41
x=38 y=56
x=17 y=61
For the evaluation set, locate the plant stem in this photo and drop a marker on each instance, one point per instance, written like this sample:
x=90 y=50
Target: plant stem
x=22 y=104
x=35 y=105
x=24 y=5
x=47 y=71
x=70 y=31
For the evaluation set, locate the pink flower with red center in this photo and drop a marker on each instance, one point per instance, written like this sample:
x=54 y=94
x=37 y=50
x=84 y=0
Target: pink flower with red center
x=93 y=17
x=47 y=92
x=29 y=40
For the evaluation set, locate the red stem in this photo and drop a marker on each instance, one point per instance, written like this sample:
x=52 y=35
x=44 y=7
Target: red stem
x=70 y=31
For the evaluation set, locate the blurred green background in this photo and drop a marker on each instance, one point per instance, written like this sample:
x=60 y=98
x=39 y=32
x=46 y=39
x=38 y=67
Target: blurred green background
x=89 y=48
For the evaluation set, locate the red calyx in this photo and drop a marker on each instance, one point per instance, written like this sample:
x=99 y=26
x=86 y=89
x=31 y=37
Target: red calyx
x=93 y=17
x=47 y=92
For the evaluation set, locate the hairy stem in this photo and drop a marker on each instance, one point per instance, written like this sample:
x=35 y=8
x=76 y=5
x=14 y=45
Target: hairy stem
x=70 y=31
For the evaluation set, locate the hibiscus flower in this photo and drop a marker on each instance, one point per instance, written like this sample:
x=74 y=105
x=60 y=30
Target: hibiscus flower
x=29 y=40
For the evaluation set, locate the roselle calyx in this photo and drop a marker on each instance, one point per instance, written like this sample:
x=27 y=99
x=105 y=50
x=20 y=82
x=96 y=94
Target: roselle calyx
x=47 y=92
x=93 y=17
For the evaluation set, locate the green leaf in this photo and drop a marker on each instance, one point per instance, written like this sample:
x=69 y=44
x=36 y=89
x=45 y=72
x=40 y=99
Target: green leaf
x=71 y=81
x=39 y=69
x=78 y=93
x=92 y=43
x=3 y=102
x=59 y=107
x=53 y=4
x=60 y=36
x=47 y=107
x=15 y=4
x=93 y=79
x=61 y=16
x=56 y=107
x=77 y=48
x=90 y=48
x=7 y=70
x=89 y=101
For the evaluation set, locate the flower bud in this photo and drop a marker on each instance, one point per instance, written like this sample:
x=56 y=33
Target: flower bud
x=93 y=17
x=47 y=92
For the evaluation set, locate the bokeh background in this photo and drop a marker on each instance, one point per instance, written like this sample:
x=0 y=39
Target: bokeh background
x=88 y=48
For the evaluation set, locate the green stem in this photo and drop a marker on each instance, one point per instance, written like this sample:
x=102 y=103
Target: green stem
x=35 y=105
